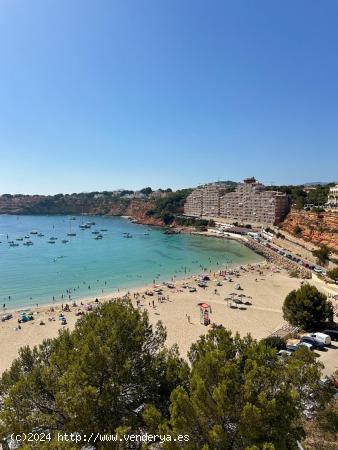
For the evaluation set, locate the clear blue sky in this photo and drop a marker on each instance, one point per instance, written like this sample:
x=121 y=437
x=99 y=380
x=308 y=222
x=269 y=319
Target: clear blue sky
x=104 y=94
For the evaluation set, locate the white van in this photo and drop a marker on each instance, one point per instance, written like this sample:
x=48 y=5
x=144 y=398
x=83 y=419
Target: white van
x=321 y=337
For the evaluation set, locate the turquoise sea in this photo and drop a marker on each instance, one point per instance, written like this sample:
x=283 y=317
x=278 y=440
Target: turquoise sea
x=85 y=266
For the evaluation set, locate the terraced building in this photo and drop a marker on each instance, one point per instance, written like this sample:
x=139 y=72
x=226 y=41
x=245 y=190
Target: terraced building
x=251 y=202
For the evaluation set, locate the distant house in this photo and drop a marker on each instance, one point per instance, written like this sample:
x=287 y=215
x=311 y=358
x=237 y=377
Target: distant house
x=158 y=194
x=332 y=199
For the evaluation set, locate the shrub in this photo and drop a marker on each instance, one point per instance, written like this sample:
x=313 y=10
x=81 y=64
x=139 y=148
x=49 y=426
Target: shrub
x=275 y=342
x=307 y=308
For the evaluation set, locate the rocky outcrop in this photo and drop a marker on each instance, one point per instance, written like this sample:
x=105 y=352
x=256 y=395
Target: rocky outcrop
x=138 y=211
x=317 y=228
x=277 y=259
x=79 y=204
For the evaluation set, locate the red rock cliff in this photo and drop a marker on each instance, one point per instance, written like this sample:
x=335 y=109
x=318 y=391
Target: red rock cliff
x=318 y=228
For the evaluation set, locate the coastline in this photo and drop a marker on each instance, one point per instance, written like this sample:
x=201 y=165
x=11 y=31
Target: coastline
x=124 y=290
x=45 y=298
x=263 y=284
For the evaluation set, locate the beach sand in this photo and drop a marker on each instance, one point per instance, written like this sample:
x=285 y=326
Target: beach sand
x=264 y=285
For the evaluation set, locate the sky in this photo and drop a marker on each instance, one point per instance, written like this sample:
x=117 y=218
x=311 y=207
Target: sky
x=107 y=94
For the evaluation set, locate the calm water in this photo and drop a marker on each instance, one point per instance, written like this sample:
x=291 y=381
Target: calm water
x=34 y=274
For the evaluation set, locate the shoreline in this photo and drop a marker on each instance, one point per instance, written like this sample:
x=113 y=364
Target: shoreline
x=264 y=285
x=176 y=277
x=115 y=293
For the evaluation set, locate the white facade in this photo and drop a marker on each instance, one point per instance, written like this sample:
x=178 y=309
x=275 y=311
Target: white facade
x=332 y=199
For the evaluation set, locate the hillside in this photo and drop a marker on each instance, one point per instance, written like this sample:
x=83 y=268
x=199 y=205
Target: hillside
x=74 y=204
x=146 y=210
x=318 y=228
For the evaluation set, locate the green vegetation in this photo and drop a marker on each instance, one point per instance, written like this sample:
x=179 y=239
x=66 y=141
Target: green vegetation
x=333 y=274
x=299 y=197
x=318 y=196
x=307 y=308
x=317 y=209
x=169 y=207
x=297 y=231
x=113 y=374
x=241 y=396
x=244 y=225
x=322 y=255
x=200 y=224
x=322 y=432
x=275 y=342
x=146 y=191
x=96 y=378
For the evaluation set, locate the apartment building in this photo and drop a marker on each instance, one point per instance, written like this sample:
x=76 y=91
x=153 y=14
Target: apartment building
x=332 y=199
x=194 y=203
x=250 y=202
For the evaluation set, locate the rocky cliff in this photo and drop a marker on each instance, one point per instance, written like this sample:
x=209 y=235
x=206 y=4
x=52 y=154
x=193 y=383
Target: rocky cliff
x=318 y=228
x=79 y=204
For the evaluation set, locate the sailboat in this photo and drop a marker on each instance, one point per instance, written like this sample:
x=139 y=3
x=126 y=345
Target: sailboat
x=71 y=233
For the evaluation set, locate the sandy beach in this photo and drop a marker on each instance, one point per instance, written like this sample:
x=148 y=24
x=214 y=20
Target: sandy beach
x=263 y=285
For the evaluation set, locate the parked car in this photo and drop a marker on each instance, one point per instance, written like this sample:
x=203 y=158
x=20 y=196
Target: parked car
x=316 y=344
x=283 y=353
x=293 y=348
x=332 y=333
x=321 y=337
x=305 y=344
